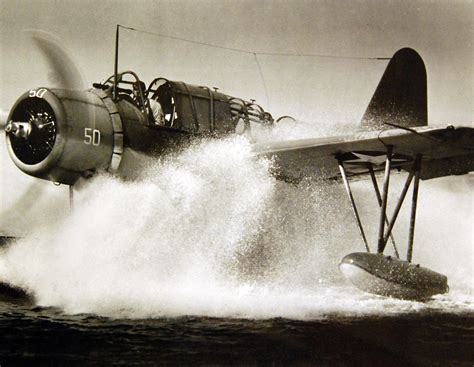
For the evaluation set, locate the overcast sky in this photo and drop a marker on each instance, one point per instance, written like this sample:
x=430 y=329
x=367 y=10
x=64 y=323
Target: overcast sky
x=318 y=89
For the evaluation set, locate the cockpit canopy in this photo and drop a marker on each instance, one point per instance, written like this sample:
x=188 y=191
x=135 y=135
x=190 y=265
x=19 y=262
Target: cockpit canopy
x=178 y=105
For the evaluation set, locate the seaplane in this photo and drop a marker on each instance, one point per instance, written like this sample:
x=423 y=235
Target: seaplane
x=66 y=136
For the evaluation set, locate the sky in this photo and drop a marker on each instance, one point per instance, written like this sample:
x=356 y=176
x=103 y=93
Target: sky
x=311 y=88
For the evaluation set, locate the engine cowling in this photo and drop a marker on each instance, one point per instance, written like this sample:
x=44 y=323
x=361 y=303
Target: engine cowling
x=61 y=135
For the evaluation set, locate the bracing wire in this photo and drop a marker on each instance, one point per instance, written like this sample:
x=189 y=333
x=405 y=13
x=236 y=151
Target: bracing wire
x=254 y=53
x=263 y=79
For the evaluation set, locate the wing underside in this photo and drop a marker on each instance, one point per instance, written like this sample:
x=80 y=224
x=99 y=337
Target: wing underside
x=443 y=151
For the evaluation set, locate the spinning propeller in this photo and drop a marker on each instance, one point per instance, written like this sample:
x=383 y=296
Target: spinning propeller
x=31 y=125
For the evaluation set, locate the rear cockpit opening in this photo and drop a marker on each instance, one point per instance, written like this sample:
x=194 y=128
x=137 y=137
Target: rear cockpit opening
x=248 y=115
x=162 y=102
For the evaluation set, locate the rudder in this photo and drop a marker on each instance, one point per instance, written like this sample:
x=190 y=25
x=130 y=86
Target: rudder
x=401 y=95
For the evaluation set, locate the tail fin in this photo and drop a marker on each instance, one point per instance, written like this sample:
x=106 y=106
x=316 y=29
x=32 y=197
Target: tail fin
x=400 y=97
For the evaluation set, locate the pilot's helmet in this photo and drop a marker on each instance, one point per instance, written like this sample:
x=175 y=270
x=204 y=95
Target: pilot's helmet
x=139 y=85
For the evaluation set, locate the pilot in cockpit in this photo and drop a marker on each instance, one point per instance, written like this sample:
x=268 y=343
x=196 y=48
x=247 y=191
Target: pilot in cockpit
x=139 y=91
x=152 y=106
x=157 y=112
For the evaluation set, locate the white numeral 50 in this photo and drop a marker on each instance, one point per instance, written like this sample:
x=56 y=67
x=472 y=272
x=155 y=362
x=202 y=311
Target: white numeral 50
x=37 y=92
x=91 y=136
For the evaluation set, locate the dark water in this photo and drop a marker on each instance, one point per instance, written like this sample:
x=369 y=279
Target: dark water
x=33 y=336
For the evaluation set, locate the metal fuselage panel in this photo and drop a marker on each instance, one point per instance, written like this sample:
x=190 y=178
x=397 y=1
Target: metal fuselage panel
x=144 y=141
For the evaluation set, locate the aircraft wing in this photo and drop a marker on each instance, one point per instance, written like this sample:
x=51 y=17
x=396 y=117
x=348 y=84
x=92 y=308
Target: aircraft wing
x=445 y=151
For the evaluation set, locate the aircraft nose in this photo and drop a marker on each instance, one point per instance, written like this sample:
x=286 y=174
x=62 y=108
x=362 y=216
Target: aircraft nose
x=32 y=130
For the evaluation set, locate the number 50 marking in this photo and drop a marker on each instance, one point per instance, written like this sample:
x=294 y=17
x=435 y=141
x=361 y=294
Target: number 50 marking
x=91 y=136
x=39 y=93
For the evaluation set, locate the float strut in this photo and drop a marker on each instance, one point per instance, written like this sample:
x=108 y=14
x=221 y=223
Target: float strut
x=354 y=208
x=379 y=199
x=414 y=201
x=71 y=197
x=400 y=201
x=383 y=208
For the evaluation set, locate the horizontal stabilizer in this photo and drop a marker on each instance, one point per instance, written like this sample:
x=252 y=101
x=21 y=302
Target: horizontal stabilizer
x=400 y=97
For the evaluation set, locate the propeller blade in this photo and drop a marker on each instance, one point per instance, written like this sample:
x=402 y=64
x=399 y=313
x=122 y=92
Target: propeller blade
x=3 y=118
x=64 y=72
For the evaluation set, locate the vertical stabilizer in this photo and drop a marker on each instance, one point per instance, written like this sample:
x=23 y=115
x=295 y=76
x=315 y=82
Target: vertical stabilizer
x=400 y=97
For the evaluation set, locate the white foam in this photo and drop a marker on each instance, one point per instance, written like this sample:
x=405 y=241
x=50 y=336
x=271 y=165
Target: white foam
x=210 y=232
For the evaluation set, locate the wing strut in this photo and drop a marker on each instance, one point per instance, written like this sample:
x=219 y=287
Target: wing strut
x=379 y=199
x=71 y=197
x=375 y=272
x=383 y=208
x=400 y=202
x=385 y=225
x=413 y=208
x=353 y=204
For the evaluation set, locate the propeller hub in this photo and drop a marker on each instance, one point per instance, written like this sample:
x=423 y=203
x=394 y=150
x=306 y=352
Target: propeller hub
x=32 y=130
x=19 y=129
